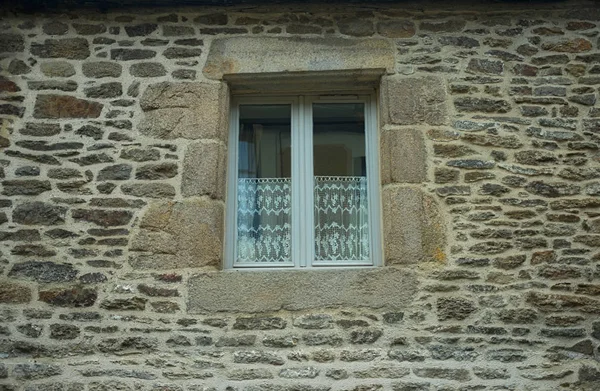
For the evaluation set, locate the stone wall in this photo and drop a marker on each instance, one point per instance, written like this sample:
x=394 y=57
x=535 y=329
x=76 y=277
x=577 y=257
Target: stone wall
x=114 y=136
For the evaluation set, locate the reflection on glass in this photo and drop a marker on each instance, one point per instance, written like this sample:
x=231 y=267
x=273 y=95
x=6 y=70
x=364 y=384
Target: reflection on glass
x=264 y=184
x=341 y=203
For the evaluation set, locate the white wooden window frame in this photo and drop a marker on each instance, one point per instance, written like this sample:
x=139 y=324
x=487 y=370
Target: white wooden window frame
x=302 y=211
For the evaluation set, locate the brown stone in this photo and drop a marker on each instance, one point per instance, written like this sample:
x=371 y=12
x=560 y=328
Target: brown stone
x=576 y=45
x=179 y=234
x=204 y=168
x=413 y=101
x=73 y=297
x=555 y=303
x=12 y=293
x=187 y=110
x=64 y=106
x=396 y=28
x=421 y=234
x=403 y=156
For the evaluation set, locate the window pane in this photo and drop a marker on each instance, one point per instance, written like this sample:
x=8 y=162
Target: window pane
x=340 y=182
x=264 y=184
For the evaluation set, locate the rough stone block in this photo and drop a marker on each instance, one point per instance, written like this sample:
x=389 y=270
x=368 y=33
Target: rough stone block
x=413 y=227
x=11 y=293
x=246 y=55
x=187 y=110
x=179 y=234
x=204 y=170
x=403 y=156
x=275 y=290
x=413 y=100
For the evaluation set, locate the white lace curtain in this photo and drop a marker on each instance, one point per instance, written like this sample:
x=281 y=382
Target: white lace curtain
x=264 y=219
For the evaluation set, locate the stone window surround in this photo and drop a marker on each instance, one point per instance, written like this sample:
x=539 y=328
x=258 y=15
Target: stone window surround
x=413 y=230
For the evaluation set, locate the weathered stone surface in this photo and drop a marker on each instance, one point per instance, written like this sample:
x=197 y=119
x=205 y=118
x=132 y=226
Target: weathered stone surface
x=150 y=190
x=35 y=371
x=147 y=69
x=63 y=331
x=179 y=234
x=25 y=187
x=443 y=373
x=259 y=323
x=484 y=105
x=413 y=101
x=455 y=308
x=64 y=106
x=105 y=90
x=131 y=54
x=57 y=69
x=403 y=156
x=204 y=168
x=70 y=48
x=421 y=237
x=188 y=110
x=104 y=218
x=127 y=304
x=11 y=43
x=45 y=272
x=39 y=213
x=487 y=67
x=100 y=69
x=14 y=293
x=74 y=297
x=576 y=45
x=399 y=28
x=374 y=288
x=156 y=171
x=245 y=55
x=118 y=172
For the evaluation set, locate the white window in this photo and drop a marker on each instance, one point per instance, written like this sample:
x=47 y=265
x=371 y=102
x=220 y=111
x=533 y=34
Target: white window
x=303 y=188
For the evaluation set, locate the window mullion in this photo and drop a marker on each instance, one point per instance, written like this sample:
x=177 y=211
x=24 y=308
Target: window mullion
x=297 y=185
x=309 y=211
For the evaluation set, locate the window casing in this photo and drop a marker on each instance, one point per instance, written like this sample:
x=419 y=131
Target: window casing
x=303 y=182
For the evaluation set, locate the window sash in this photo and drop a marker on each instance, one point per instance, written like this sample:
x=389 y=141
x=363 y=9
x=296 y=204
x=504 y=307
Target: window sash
x=302 y=182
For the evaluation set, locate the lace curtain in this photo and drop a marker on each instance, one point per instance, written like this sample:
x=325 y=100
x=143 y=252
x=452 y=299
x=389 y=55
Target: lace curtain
x=264 y=219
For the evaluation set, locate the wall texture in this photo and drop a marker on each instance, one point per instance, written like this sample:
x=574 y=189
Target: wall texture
x=114 y=148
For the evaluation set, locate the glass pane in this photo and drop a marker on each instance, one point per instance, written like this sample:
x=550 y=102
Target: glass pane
x=341 y=199
x=264 y=184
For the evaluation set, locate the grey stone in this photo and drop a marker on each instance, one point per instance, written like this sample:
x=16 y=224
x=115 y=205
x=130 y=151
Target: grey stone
x=249 y=374
x=463 y=42
x=100 y=69
x=356 y=27
x=127 y=304
x=89 y=29
x=259 y=323
x=239 y=340
x=131 y=54
x=410 y=355
x=140 y=30
x=39 y=213
x=105 y=90
x=421 y=237
x=204 y=167
x=18 y=67
x=188 y=110
x=403 y=156
x=184 y=74
x=35 y=371
x=387 y=288
x=443 y=373
x=385 y=372
x=11 y=43
x=484 y=105
x=57 y=69
x=44 y=272
x=255 y=356
x=55 y=28
x=245 y=55
x=118 y=172
x=299 y=373
x=486 y=67
x=147 y=69
x=63 y=331
x=25 y=187
x=156 y=171
x=140 y=154
x=90 y=131
x=365 y=336
x=491 y=373
x=40 y=129
x=179 y=52
x=150 y=190
x=69 y=48
x=314 y=321
x=413 y=101
x=105 y=218
x=454 y=308
x=398 y=28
